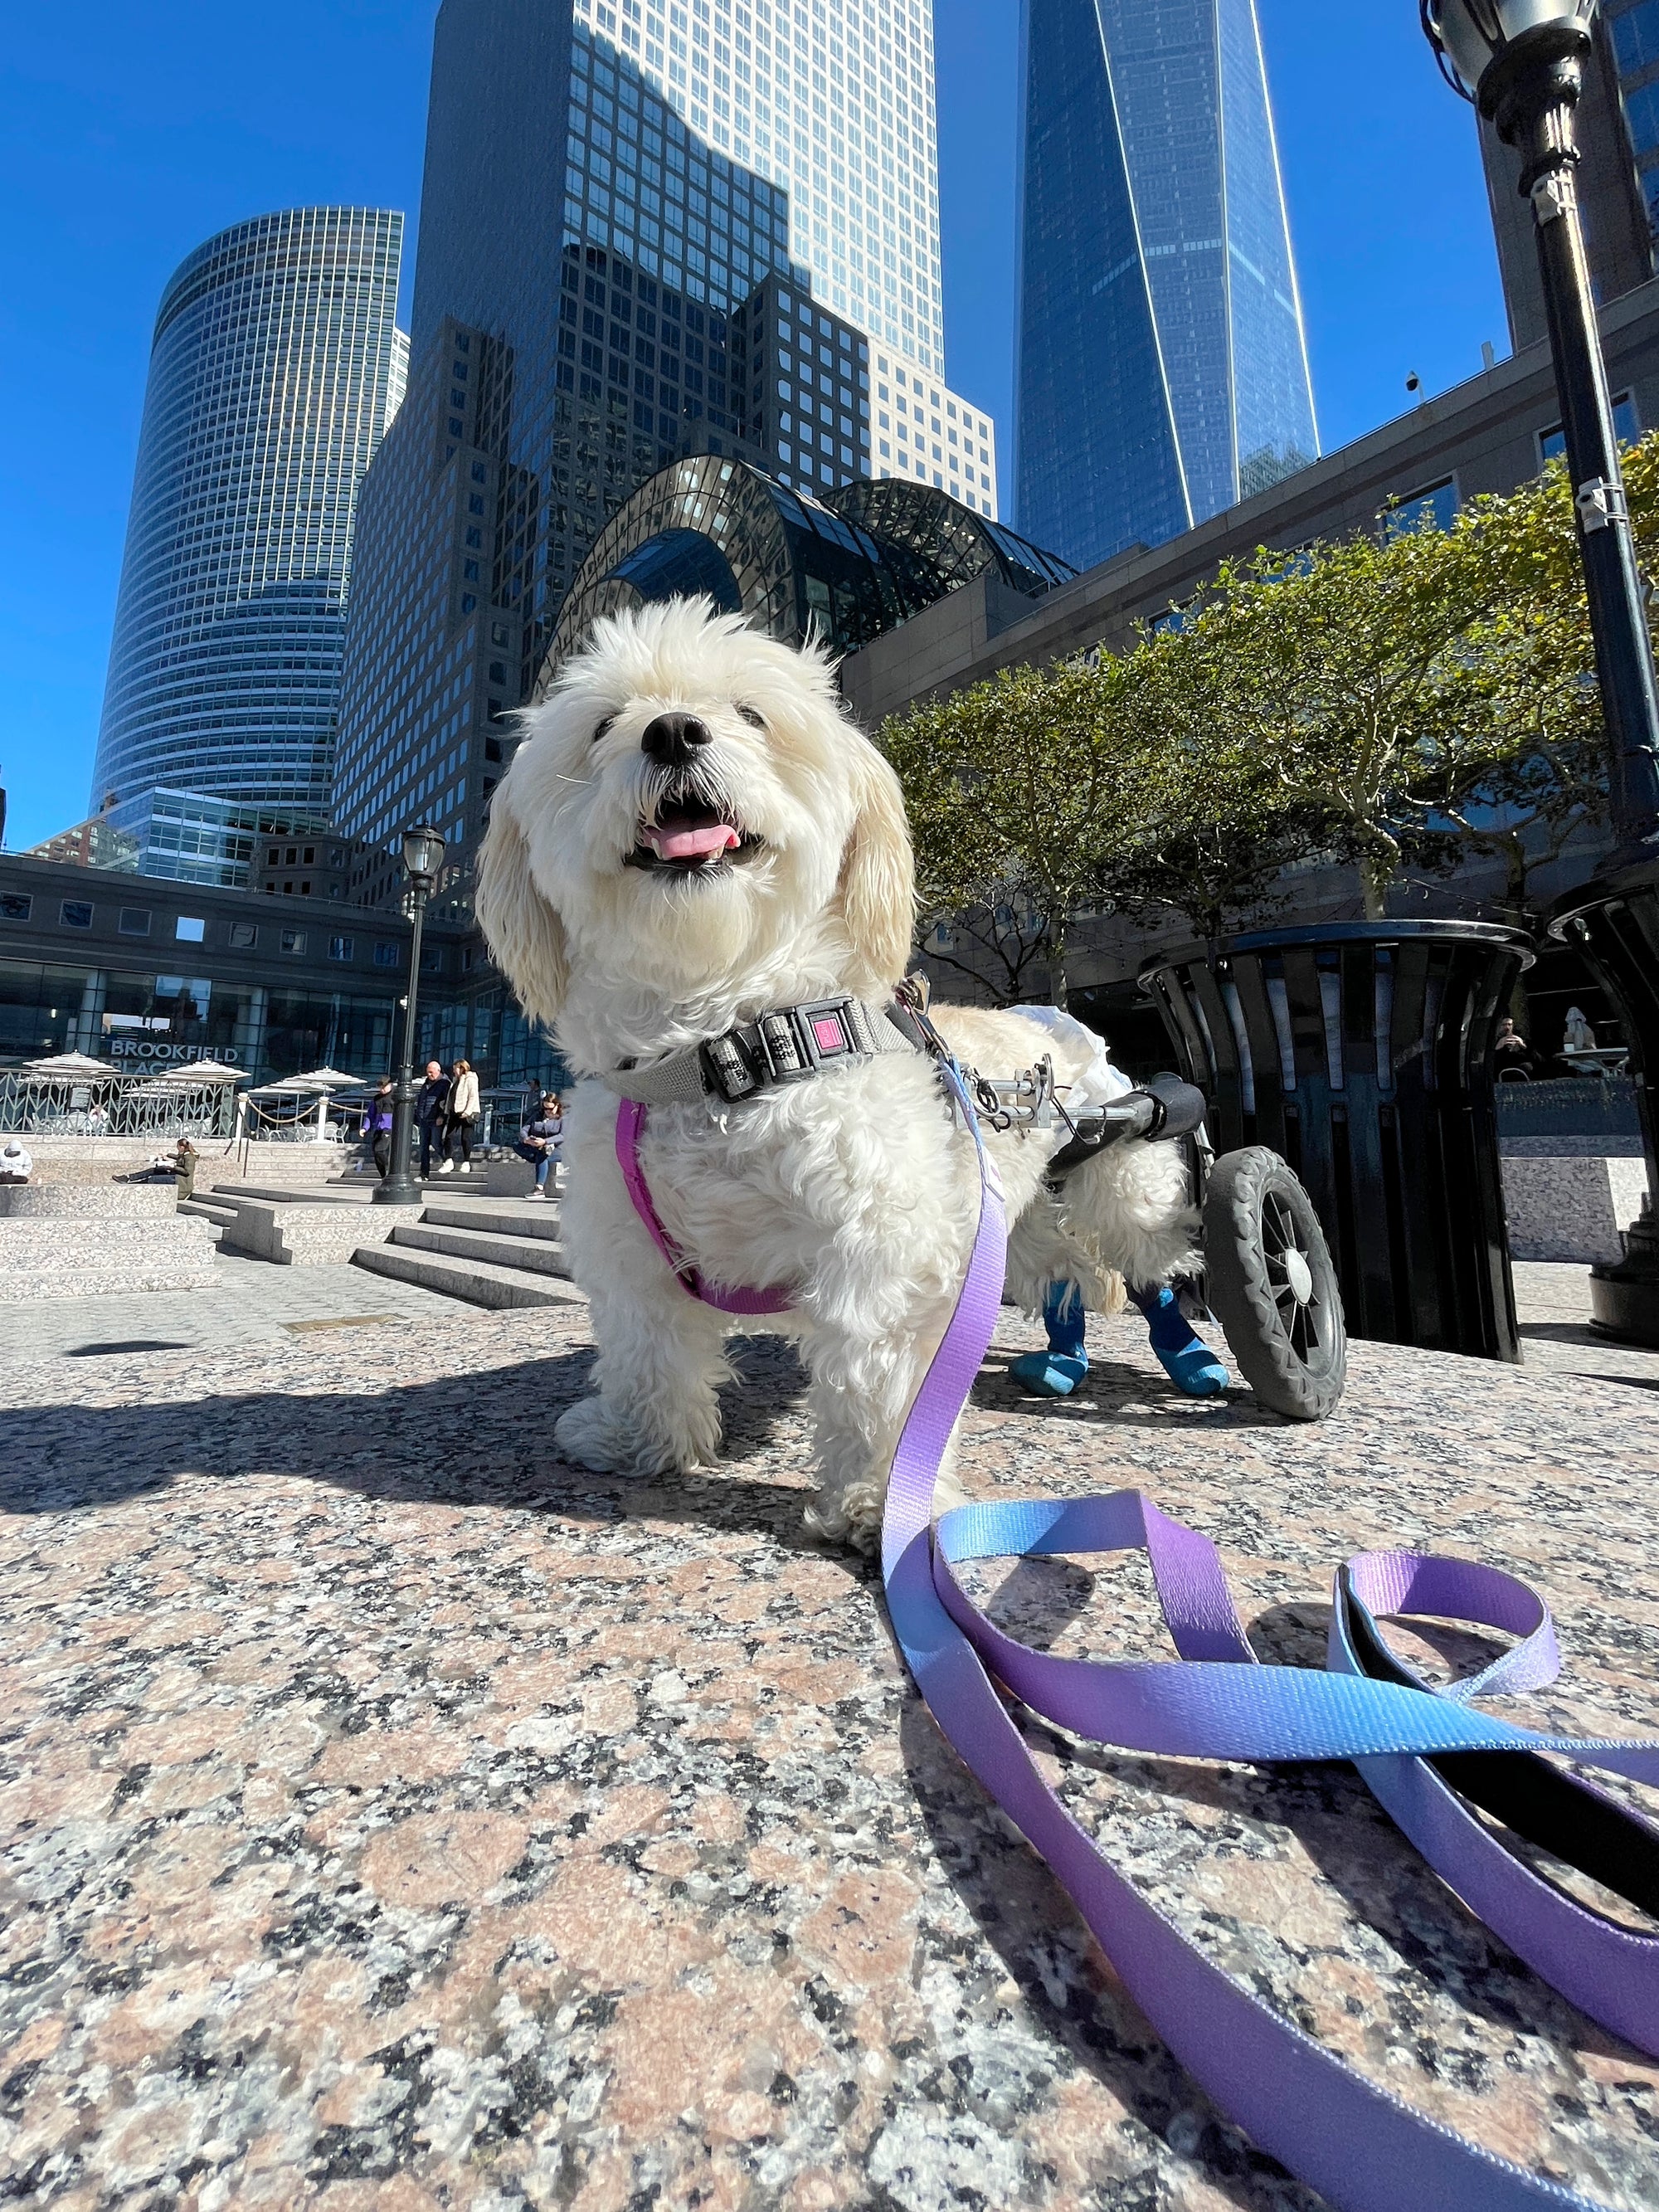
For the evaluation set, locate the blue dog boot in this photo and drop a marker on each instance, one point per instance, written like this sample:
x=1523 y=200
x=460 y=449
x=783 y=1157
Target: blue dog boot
x=1186 y=1359
x=1056 y=1372
x=1049 y=1374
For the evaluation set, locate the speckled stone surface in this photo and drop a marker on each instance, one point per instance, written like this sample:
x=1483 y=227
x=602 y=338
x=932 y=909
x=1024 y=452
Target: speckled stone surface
x=402 y=1820
x=1570 y=1206
x=89 y=1201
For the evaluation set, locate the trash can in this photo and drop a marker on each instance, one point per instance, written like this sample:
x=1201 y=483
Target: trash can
x=1362 y=1052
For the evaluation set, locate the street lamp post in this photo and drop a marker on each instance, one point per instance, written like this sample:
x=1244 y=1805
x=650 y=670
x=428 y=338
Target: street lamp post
x=1521 y=62
x=423 y=854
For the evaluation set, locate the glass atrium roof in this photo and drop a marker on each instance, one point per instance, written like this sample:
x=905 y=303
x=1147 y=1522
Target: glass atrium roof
x=845 y=570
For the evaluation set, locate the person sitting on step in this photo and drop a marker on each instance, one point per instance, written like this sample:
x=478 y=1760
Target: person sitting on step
x=541 y=1142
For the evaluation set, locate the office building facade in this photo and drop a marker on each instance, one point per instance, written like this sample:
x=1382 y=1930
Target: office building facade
x=1618 y=175
x=923 y=433
x=834 y=102
x=274 y=368
x=584 y=316
x=1162 y=371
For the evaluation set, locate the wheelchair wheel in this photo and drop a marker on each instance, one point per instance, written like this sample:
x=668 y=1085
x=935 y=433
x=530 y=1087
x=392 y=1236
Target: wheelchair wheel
x=1272 y=1284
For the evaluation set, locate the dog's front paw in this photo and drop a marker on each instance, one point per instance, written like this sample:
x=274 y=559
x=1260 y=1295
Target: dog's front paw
x=591 y=1434
x=851 y=1516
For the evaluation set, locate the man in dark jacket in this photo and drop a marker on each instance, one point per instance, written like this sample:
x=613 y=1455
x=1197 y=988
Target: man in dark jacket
x=428 y=1111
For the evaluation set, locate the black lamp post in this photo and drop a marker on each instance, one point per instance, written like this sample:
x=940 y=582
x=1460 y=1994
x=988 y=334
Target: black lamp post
x=1521 y=62
x=424 y=855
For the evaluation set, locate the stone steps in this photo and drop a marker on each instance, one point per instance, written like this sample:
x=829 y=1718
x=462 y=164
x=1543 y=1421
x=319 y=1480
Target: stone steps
x=490 y=1252
x=216 y=1216
x=89 y=1201
x=305 y=1229
x=76 y=1256
x=476 y=1282
x=293 y=1194
x=537 y=1218
x=536 y=1255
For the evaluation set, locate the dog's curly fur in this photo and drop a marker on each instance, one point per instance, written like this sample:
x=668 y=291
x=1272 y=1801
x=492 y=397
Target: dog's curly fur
x=855 y=1191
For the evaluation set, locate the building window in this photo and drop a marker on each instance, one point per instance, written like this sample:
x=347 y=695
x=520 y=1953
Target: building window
x=1434 y=507
x=135 y=921
x=431 y=960
x=388 y=954
x=15 y=906
x=339 y=948
x=188 y=930
x=244 y=936
x=294 y=940
x=76 y=914
x=1636 y=39
x=1627 y=428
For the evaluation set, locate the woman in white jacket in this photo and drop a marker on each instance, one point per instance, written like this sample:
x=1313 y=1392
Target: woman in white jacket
x=460 y=1118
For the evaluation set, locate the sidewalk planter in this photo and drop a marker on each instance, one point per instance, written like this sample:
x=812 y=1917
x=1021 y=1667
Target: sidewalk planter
x=1362 y=1052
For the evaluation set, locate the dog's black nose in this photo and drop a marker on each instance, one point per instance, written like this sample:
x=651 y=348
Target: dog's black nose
x=674 y=739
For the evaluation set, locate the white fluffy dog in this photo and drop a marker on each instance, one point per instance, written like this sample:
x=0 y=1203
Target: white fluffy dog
x=693 y=834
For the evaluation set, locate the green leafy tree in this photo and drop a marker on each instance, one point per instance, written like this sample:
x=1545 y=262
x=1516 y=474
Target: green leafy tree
x=1207 y=826
x=1016 y=790
x=1422 y=690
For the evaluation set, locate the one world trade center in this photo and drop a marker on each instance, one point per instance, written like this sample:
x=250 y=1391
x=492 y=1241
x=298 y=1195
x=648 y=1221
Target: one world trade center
x=1163 y=370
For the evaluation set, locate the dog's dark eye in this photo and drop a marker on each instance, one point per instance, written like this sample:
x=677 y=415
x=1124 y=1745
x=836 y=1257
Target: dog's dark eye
x=753 y=716
x=603 y=727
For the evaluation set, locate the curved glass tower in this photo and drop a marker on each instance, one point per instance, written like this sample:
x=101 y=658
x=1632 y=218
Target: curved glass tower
x=1163 y=372
x=276 y=366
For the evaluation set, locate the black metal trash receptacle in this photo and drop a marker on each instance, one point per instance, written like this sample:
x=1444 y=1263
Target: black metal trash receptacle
x=1362 y=1052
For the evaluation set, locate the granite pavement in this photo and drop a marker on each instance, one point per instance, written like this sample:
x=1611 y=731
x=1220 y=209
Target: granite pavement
x=398 y=1818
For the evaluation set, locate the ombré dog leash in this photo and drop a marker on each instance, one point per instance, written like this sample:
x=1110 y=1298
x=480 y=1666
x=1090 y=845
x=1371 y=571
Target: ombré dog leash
x=1426 y=1758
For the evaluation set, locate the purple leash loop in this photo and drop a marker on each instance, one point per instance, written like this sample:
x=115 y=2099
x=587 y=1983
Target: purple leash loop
x=1422 y=1751
x=1366 y=2150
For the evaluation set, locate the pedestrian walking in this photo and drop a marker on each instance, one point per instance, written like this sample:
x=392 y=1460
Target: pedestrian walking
x=429 y=1103
x=377 y=1126
x=541 y=1142
x=460 y=1118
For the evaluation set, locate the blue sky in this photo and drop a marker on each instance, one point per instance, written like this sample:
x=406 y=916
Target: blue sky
x=129 y=135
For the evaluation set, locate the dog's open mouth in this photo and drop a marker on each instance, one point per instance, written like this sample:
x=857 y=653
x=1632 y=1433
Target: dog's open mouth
x=690 y=834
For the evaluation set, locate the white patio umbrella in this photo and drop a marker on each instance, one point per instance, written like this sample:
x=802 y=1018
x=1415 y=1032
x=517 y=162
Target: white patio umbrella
x=68 y=1065
x=202 y=1071
x=330 y=1078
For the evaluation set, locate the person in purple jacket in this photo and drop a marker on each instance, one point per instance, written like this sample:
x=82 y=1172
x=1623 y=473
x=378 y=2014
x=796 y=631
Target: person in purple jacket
x=377 y=1126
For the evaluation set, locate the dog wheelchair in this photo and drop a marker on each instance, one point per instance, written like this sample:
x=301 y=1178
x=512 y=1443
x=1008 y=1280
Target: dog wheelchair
x=1269 y=1280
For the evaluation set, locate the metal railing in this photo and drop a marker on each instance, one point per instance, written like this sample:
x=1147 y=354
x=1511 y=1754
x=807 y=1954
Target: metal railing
x=57 y=1106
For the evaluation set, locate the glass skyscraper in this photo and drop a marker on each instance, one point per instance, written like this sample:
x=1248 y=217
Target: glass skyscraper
x=274 y=368
x=836 y=102
x=1162 y=372
x=576 y=287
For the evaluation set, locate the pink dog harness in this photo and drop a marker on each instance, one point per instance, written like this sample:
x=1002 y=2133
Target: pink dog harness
x=630 y=1126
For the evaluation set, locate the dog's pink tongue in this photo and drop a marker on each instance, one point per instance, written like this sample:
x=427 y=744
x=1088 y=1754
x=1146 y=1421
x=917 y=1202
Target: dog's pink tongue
x=692 y=844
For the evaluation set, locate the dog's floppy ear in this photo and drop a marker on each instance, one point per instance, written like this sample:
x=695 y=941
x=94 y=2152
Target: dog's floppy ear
x=877 y=874
x=525 y=934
